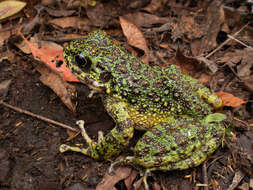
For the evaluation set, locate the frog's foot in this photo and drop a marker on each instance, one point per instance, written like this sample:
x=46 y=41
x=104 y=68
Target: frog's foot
x=144 y=179
x=129 y=160
x=125 y=160
x=85 y=151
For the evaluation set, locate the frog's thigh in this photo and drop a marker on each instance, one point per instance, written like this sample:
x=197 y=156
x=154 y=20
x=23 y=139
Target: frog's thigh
x=178 y=144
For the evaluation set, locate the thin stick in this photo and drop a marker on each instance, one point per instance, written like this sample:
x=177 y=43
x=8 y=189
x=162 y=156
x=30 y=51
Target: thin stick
x=38 y=116
x=205 y=178
x=224 y=43
x=240 y=42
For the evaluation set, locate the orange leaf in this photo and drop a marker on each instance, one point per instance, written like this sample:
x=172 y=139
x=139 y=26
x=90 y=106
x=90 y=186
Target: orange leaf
x=52 y=58
x=230 y=100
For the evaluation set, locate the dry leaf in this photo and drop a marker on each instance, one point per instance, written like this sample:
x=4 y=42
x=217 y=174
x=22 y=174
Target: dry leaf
x=232 y=58
x=129 y=180
x=244 y=56
x=51 y=54
x=4 y=88
x=244 y=69
x=59 y=13
x=109 y=181
x=145 y=20
x=188 y=65
x=229 y=99
x=23 y=46
x=51 y=57
x=134 y=35
x=9 y=8
x=74 y=22
x=156 y=186
x=3 y=36
x=137 y=184
x=153 y=6
x=98 y=15
x=204 y=78
x=248 y=82
x=63 y=90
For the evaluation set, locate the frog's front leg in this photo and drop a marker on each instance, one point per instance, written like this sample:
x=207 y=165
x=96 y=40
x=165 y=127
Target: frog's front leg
x=115 y=141
x=205 y=93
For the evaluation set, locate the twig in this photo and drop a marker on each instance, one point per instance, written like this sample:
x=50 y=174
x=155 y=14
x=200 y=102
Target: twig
x=204 y=172
x=38 y=116
x=240 y=42
x=224 y=43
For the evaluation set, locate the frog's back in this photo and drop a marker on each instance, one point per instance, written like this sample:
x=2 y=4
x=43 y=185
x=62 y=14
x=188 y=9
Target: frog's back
x=147 y=90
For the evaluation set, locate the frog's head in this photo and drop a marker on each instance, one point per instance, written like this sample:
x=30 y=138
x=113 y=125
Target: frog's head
x=90 y=60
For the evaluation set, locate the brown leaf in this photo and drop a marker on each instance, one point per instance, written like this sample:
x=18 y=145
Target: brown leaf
x=244 y=56
x=248 y=82
x=59 y=13
x=97 y=14
x=3 y=36
x=215 y=19
x=188 y=65
x=144 y=19
x=24 y=47
x=109 y=181
x=134 y=35
x=60 y=87
x=232 y=58
x=6 y=33
x=137 y=184
x=9 y=8
x=204 y=78
x=74 y=22
x=244 y=69
x=129 y=180
x=230 y=100
x=153 y=6
x=156 y=186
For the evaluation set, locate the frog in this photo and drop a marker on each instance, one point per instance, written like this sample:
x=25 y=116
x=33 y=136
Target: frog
x=172 y=108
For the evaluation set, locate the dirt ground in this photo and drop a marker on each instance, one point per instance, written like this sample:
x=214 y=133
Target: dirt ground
x=29 y=147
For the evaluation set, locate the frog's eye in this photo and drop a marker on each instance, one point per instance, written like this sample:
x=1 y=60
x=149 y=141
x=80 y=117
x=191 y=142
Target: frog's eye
x=83 y=62
x=105 y=76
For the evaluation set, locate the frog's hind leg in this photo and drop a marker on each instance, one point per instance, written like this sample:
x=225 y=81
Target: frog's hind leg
x=178 y=144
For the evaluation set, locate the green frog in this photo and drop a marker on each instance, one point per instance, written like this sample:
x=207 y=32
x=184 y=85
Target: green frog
x=173 y=108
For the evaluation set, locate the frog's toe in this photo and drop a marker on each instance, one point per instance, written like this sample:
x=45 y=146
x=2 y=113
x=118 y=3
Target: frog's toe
x=100 y=136
x=64 y=148
x=144 y=178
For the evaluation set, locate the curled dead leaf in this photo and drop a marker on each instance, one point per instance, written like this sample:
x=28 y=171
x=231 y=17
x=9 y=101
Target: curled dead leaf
x=230 y=100
x=60 y=87
x=109 y=181
x=134 y=35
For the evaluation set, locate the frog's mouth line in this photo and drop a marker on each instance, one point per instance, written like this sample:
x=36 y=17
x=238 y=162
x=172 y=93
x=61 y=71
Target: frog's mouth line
x=93 y=84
